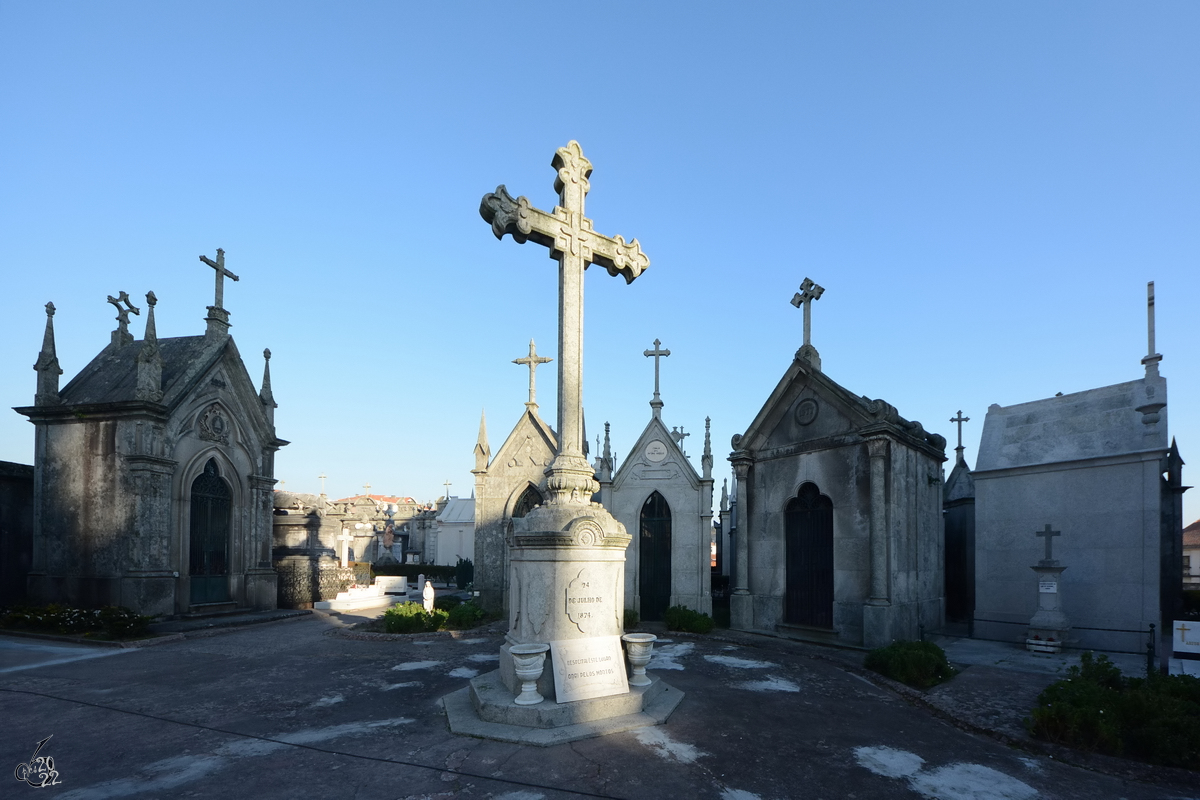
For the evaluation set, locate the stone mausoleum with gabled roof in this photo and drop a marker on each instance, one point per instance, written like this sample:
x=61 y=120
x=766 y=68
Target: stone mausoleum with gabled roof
x=154 y=471
x=839 y=522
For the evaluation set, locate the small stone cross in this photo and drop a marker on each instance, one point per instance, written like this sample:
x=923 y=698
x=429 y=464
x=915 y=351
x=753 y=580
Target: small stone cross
x=322 y=479
x=222 y=273
x=344 y=550
x=657 y=354
x=447 y=484
x=960 y=419
x=809 y=291
x=532 y=361
x=1049 y=536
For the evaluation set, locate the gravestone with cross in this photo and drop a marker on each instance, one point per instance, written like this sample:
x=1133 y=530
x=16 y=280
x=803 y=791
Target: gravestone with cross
x=1049 y=625
x=568 y=554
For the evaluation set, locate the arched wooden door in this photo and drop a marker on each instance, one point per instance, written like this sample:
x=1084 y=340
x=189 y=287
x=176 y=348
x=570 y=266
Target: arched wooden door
x=808 y=532
x=212 y=505
x=654 y=554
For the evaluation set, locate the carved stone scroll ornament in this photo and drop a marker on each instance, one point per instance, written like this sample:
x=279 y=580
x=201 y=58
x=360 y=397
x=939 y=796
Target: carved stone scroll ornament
x=212 y=425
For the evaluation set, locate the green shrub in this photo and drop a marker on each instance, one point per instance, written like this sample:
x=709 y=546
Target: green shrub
x=447 y=602
x=411 y=618
x=917 y=664
x=631 y=619
x=682 y=618
x=465 y=615
x=1095 y=708
x=115 y=622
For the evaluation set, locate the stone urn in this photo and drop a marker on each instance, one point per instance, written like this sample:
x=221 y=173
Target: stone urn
x=639 y=647
x=528 y=662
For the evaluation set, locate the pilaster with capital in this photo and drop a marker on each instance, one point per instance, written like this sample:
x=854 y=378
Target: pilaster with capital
x=742 y=461
x=877 y=447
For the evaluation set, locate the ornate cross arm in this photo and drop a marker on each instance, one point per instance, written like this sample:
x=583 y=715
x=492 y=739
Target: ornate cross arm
x=561 y=232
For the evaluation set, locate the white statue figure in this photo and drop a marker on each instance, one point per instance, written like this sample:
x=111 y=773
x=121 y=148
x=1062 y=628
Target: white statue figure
x=428 y=594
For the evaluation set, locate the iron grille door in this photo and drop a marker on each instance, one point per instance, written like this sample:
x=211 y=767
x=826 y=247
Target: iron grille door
x=654 y=573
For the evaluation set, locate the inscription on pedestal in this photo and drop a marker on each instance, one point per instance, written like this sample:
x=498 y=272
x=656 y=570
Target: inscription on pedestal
x=587 y=668
x=585 y=603
x=1048 y=587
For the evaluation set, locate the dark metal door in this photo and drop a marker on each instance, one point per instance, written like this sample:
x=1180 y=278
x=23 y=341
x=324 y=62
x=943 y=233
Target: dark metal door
x=654 y=572
x=209 y=563
x=808 y=523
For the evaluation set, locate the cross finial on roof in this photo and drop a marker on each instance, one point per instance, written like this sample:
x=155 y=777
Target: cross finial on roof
x=322 y=479
x=218 y=317
x=1152 y=358
x=657 y=354
x=809 y=291
x=678 y=435
x=447 y=484
x=532 y=361
x=960 y=419
x=121 y=336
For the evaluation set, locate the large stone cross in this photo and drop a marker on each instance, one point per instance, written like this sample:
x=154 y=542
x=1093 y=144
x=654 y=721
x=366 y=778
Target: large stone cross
x=532 y=361
x=1049 y=536
x=568 y=233
x=809 y=291
x=123 y=313
x=222 y=273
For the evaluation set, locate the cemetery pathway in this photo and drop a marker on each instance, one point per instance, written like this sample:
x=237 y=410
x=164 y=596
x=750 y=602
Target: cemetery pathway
x=297 y=708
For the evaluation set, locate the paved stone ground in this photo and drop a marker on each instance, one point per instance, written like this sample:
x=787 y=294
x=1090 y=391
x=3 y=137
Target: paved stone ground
x=305 y=707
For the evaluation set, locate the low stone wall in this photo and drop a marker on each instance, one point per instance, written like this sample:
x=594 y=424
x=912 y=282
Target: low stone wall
x=304 y=581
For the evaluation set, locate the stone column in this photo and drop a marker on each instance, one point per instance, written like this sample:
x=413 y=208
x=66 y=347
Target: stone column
x=741 y=602
x=877 y=609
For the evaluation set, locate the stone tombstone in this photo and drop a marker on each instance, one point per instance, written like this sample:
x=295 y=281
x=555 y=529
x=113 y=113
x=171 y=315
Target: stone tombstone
x=1186 y=640
x=568 y=540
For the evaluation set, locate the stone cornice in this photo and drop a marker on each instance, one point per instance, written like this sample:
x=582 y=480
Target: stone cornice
x=94 y=411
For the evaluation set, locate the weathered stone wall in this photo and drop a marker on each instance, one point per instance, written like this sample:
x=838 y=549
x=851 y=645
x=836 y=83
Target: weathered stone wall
x=16 y=530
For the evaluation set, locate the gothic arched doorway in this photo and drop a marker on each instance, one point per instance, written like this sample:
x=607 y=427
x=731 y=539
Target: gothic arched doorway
x=209 y=557
x=654 y=557
x=808 y=534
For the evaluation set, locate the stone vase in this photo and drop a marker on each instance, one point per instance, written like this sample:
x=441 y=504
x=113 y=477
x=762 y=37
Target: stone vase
x=639 y=648
x=529 y=660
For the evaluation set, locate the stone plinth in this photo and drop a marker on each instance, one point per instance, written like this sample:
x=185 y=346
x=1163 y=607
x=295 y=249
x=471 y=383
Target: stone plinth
x=1049 y=624
x=567 y=580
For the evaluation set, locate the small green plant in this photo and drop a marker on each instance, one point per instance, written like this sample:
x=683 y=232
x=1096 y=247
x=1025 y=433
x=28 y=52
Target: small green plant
x=632 y=618
x=682 y=618
x=447 y=602
x=917 y=664
x=1154 y=719
x=412 y=618
x=465 y=615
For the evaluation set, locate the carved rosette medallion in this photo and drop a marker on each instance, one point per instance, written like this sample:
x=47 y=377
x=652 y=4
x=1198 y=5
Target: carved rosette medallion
x=806 y=411
x=212 y=425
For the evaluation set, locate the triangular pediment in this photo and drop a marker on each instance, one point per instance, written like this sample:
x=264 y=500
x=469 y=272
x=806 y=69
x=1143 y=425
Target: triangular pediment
x=809 y=407
x=531 y=444
x=220 y=377
x=655 y=456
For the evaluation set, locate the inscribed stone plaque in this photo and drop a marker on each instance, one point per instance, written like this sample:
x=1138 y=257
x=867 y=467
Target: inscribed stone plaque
x=585 y=603
x=1187 y=639
x=587 y=668
x=392 y=584
x=806 y=411
x=1048 y=587
x=656 y=451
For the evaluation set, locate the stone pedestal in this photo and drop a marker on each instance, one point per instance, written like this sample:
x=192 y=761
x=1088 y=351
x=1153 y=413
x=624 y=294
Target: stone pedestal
x=566 y=581
x=1049 y=627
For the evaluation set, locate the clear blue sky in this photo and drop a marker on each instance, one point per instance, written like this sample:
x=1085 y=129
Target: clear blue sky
x=982 y=189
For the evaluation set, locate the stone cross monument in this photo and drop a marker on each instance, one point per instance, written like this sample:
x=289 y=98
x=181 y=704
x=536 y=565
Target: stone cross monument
x=567 y=555
x=959 y=419
x=809 y=291
x=532 y=361
x=1049 y=625
x=657 y=354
